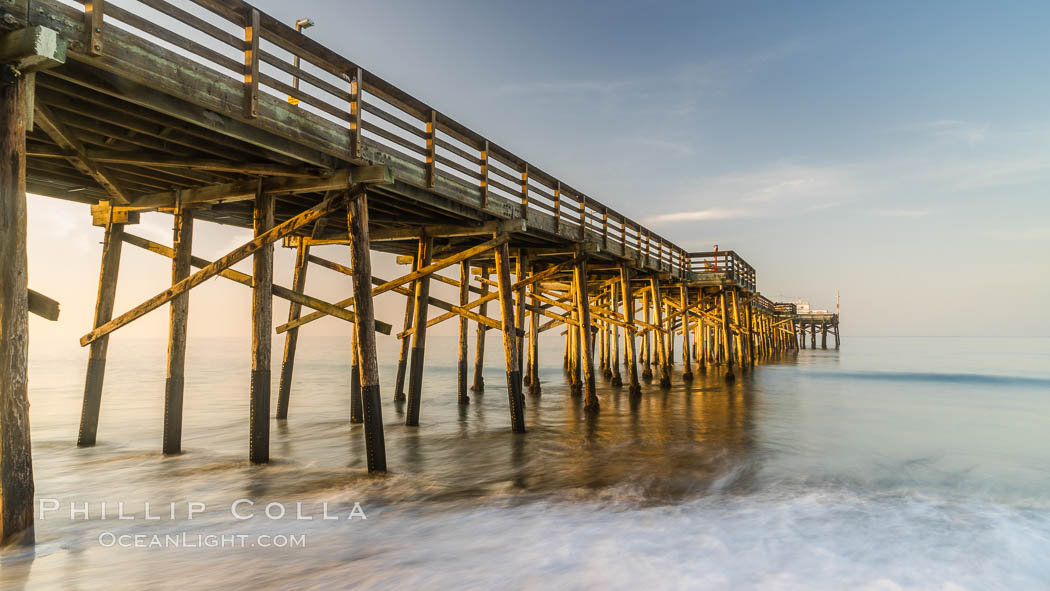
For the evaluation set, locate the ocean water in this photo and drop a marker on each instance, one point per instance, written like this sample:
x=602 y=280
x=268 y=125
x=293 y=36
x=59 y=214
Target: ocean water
x=892 y=464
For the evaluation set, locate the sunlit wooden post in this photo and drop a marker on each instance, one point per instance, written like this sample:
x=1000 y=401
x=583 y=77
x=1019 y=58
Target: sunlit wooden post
x=687 y=355
x=586 y=340
x=96 y=369
x=262 y=331
x=479 y=340
x=291 y=338
x=726 y=339
x=364 y=308
x=661 y=340
x=464 y=299
x=16 y=460
x=614 y=301
x=178 y=318
x=419 y=337
x=628 y=318
x=406 y=345
x=510 y=349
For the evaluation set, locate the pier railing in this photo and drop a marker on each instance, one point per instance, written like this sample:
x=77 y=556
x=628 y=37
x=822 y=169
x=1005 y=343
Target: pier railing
x=785 y=309
x=763 y=303
x=726 y=262
x=237 y=41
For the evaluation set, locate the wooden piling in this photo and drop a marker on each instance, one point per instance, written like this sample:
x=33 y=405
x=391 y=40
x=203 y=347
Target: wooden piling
x=824 y=335
x=262 y=330
x=575 y=357
x=291 y=338
x=364 y=308
x=726 y=339
x=617 y=379
x=357 y=411
x=178 y=317
x=647 y=338
x=96 y=369
x=586 y=339
x=419 y=337
x=510 y=348
x=687 y=355
x=464 y=299
x=520 y=268
x=628 y=318
x=661 y=342
x=534 y=346
x=479 y=340
x=406 y=345
x=16 y=460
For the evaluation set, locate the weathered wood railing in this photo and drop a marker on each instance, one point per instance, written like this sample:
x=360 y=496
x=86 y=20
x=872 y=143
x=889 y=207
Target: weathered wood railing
x=763 y=303
x=237 y=41
x=727 y=262
x=785 y=309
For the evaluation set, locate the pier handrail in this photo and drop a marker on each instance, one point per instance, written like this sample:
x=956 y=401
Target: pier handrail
x=728 y=262
x=236 y=39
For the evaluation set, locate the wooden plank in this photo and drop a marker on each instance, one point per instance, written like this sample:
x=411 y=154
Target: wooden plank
x=32 y=49
x=251 y=65
x=232 y=258
x=43 y=306
x=243 y=190
x=93 y=12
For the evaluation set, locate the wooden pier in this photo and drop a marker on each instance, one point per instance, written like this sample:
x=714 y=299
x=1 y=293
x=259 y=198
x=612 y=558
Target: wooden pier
x=222 y=114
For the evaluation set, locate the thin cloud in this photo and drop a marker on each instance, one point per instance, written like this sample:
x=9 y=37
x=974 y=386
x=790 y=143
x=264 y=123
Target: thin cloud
x=903 y=213
x=700 y=215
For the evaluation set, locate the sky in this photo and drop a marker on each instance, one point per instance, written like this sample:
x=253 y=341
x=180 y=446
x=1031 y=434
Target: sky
x=895 y=152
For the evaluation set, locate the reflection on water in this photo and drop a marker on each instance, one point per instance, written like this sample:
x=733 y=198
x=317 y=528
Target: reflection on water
x=850 y=469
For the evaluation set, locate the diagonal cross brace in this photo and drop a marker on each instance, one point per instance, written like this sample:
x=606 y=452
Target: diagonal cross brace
x=233 y=257
x=245 y=279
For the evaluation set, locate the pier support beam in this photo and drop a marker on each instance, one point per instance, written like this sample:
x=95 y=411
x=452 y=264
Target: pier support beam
x=479 y=340
x=291 y=338
x=647 y=337
x=586 y=340
x=726 y=336
x=262 y=331
x=419 y=337
x=96 y=369
x=357 y=410
x=364 y=308
x=628 y=318
x=16 y=461
x=464 y=299
x=824 y=335
x=406 y=345
x=687 y=355
x=661 y=342
x=510 y=347
x=179 y=310
x=534 y=345
x=617 y=379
